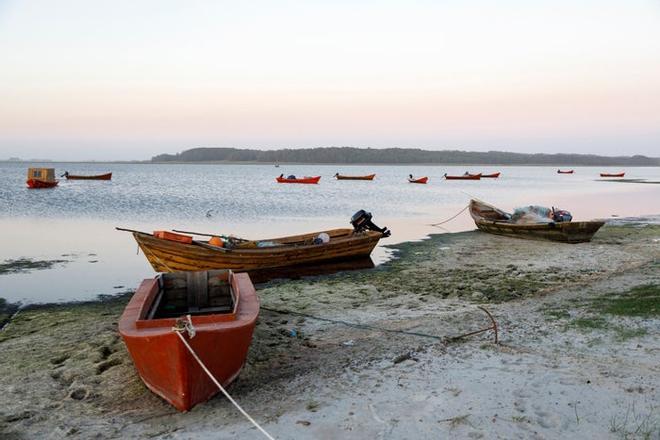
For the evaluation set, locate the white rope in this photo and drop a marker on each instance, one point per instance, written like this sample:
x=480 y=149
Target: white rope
x=201 y=364
x=450 y=218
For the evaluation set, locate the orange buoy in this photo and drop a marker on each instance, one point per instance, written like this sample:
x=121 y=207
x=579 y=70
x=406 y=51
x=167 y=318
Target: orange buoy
x=216 y=241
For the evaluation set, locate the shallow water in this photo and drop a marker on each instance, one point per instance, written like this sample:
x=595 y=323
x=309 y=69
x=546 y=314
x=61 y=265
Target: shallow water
x=75 y=221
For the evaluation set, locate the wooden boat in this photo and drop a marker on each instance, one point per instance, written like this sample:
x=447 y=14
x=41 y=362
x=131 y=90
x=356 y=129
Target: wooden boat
x=107 y=176
x=223 y=309
x=38 y=178
x=493 y=220
x=306 y=179
x=612 y=174
x=490 y=176
x=463 y=177
x=171 y=256
x=367 y=177
x=422 y=180
x=565 y=171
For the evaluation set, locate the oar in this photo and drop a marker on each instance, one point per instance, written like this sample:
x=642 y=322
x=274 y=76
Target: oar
x=131 y=230
x=210 y=235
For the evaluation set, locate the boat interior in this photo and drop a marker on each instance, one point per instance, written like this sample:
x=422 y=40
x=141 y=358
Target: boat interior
x=294 y=240
x=491 y=213
x=194 y=293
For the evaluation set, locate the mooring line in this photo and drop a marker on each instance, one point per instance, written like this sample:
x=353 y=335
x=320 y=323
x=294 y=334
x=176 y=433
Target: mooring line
x=450 y=218
x=215 y=381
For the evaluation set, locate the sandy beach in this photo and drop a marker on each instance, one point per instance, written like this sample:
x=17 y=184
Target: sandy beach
x=578 y=356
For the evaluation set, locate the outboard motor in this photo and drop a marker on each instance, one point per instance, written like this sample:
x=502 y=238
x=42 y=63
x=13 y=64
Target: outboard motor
x=560 y=216
x=361 y=222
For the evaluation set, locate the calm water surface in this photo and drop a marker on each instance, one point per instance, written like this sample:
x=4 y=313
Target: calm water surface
x=75 y=221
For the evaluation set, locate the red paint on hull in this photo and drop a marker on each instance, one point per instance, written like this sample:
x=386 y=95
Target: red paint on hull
x=468 y=177
x=565 y=172
x=612 y=174
x=39 y=184
x=308 y=180
x=164 y=363
x=422 y=180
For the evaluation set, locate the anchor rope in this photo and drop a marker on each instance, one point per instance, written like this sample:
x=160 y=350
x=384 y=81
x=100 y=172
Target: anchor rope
x=450 y=218
x=220 y=387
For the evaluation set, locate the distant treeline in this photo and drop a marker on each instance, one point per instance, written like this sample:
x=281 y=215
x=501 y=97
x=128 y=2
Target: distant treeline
x=349 y=155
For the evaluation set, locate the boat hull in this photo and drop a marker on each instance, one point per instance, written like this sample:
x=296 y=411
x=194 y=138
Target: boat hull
x=163 y=362
x=486 y=219
x=565 y=172
x=612 y=175
x=570 y=232
x=170 y=256
x=490 y=176
x=421 y=180
x=369 y=177
x=304 y=180
x=468 y=177
x=40 y=184
x=107 y=176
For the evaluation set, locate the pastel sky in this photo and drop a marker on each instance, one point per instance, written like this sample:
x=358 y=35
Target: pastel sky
x=129 y=79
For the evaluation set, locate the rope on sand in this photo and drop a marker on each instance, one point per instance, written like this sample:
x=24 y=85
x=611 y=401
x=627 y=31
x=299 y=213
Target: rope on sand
x=450 y=218
x=444 y=339
x=178 y=331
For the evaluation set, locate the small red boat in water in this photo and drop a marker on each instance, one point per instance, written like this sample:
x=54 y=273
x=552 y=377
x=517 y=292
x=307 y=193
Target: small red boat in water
x=612 y=174
x=420 y=180
x=463 y=177
x=38 y=178
x=306 y=179
x=107 y=176
x=565 y=171
x=344 y=177
x=215 y=311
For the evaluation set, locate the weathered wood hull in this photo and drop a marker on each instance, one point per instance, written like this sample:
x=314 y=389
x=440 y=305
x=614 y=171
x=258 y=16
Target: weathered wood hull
x=170 y=256
x=107 y=176
x=573 y=232
x=166 y=366
x=492 y=220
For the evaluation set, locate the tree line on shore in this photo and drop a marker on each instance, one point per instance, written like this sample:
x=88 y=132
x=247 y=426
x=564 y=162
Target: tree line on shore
x=350 y=155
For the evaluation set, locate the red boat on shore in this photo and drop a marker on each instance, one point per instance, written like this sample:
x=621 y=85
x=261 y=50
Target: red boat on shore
x=422 y=180
x=612 y=174
x=38 y=178
x=463 y=177
x=215 y=311
x=306 y=179
x=107 y=176
x=565 y=171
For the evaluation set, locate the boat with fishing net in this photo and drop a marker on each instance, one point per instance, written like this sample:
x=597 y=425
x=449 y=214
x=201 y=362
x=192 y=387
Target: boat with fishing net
x=170 y=317
x=176 y=251
x=293 y=179
x=532 y=222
